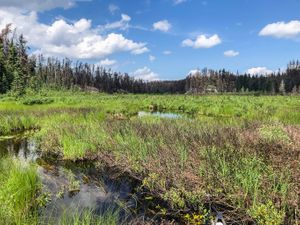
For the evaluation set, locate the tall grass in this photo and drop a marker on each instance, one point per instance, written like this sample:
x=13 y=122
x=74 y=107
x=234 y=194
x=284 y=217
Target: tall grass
x=85 y=217
x=18 y=194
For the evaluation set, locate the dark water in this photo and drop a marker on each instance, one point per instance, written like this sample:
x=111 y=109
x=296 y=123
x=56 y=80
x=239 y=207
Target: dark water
x=72 y=186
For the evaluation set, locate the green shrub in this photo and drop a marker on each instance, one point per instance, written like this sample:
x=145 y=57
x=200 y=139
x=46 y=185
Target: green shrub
x=38 y=101
x=266 y=214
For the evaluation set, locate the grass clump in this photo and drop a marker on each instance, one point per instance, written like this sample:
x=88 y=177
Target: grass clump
x=86 y=217
x=37 y=101
x=18 y=194
x=16 y=123
x=274 y=133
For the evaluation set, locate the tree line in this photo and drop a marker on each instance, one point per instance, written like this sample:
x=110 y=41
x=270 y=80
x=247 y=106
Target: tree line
x=20 y=72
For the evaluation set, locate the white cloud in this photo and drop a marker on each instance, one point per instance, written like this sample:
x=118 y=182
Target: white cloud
x=145 y=74
x=194 y=72
x=167 y=52
x=74 y=40
x=162 y=25
x=177 y=2
x=122 y=24
x=259 y=71
x=202 y=41
x=140 y=50
x=37 y=5
x=113 y=8
x=282 y=30
x=152 y=58
x=107 y=62
x=231 y=53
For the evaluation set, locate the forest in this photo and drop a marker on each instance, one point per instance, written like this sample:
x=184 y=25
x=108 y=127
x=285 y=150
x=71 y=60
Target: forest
x=20 y=71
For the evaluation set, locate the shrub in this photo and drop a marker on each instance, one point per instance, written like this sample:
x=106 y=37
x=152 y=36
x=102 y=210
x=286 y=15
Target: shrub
x=266 y=214
x=38 y=101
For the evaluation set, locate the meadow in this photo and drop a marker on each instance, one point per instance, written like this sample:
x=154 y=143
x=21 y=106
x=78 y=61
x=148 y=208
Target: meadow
x=238 y=155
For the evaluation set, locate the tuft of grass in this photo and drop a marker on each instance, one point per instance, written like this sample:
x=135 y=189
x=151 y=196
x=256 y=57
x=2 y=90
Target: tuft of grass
x=18 y=194
x=274 y=133
x=86 y=217
x=37 y=101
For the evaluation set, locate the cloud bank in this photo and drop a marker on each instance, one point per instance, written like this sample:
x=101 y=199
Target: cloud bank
x=70 y=39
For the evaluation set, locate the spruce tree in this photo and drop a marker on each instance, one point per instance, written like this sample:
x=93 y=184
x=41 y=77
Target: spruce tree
x=282 y=87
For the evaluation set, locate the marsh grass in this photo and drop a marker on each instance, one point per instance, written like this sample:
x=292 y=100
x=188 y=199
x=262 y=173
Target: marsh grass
x=18 y=194
x=86 y=217
x=274 y=133
x=16 y=123
x=232 y=148
x=183 y=158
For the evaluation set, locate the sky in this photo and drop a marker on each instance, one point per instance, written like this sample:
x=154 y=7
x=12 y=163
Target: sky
x=161 y=39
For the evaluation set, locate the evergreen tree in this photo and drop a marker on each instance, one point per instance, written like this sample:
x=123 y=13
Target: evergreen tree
x=282 y=87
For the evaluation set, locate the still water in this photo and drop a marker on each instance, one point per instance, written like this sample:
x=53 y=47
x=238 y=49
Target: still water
x=72 y=186
x=160 y=114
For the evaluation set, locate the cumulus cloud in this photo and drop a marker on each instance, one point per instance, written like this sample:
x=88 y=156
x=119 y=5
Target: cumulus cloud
x=152 y=58
x=145 y=74
x=231 y=53
x=74 y=40
x=282 y=30
x=177 y=2
x=162 y=25
x=202 y=41
x=259 y=71
x=37 y=5
x=113 y=8
x=107 y=62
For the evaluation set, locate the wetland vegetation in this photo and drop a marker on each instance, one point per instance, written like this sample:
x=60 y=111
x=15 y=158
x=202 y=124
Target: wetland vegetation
x=236 y=154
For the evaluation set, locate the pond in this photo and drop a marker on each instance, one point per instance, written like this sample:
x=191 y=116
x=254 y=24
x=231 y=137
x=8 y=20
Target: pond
x=74 y=186
x=168 y=115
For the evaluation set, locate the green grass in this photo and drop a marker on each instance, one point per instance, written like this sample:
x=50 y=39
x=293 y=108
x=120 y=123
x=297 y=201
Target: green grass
x=19 y=190
x=85 y=217
x=15 y=115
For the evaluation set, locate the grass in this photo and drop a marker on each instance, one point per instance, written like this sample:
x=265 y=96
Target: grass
x=85 y=217
x=241 y=151
x=19 y=190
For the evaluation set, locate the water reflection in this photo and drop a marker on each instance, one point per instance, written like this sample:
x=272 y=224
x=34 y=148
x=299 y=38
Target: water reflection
x=22 y=148
x=160 y=114
x=71 y=186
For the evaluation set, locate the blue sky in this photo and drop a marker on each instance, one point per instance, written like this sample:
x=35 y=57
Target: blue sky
x=162 y=39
